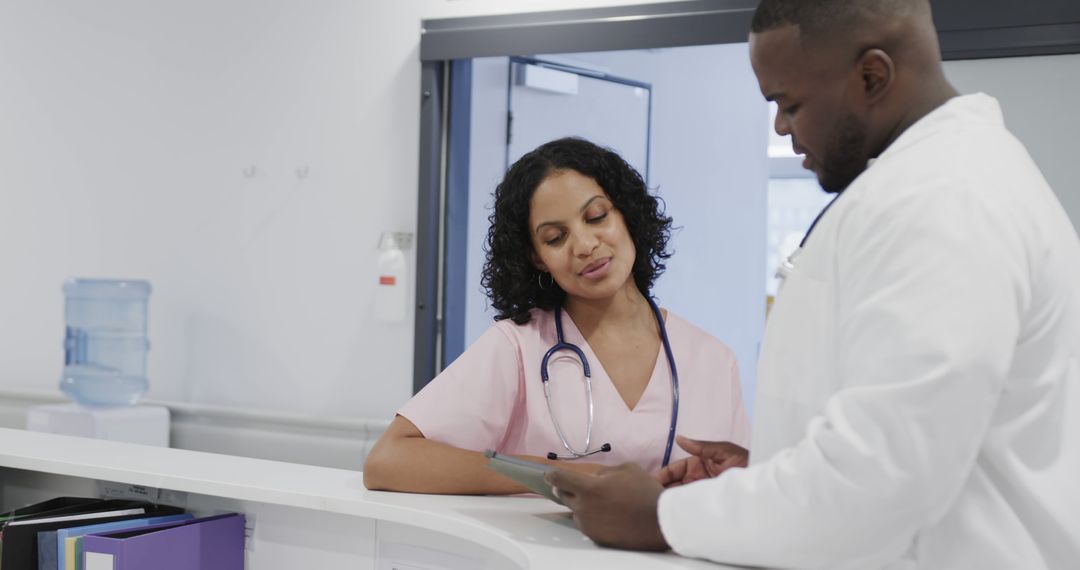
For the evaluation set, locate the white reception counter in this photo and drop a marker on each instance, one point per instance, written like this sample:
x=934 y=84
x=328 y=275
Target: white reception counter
x=306 y=517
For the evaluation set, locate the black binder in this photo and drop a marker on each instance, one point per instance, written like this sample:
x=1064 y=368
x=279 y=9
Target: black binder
x=57 y=504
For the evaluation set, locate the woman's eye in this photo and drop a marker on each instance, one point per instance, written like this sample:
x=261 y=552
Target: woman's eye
x=553 y=240
x=597 y=218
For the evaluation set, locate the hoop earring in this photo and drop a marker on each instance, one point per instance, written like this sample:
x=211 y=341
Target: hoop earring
x=540 y=282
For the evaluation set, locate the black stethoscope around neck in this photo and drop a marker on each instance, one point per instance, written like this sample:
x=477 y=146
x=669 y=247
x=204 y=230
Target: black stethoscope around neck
x=561 y=344
x=788 y=265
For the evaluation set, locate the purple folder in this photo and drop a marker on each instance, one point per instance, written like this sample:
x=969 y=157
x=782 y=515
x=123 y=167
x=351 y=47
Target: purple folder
x=209 y=543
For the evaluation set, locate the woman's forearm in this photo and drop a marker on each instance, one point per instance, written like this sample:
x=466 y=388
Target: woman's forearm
x=404 y=460
x=419 y=465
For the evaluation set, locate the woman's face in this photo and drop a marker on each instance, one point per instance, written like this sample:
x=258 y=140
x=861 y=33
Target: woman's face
x=579 y=237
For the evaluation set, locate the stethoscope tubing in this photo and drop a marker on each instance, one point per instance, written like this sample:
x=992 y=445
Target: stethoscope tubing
x=788 y=265
x=674 y=384
x=561 y=344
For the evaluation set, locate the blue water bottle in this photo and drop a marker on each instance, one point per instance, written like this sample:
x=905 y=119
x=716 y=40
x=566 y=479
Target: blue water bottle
x=105 y=342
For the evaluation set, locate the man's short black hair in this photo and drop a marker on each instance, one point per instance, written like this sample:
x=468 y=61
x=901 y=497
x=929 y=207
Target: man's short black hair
x=820 y=18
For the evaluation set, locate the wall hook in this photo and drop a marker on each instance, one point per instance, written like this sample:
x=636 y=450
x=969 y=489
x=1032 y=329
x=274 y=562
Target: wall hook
x=249 y=172
x=302 y=172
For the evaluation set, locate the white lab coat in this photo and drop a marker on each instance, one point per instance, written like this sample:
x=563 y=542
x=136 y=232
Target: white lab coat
x=918 y=404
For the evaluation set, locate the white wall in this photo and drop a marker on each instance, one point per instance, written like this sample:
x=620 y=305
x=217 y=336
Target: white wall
x=124 y=130
x=127 y=126
x=1038 y=96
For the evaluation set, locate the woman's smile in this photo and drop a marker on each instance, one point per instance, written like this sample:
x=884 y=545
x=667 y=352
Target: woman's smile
x=597 y=270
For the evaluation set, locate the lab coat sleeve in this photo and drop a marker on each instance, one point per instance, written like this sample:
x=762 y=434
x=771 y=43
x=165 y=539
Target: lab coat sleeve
x=470 y=404
x=929 y=288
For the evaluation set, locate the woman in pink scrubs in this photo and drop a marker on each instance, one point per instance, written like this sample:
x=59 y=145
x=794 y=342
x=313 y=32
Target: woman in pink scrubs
x=574 y=230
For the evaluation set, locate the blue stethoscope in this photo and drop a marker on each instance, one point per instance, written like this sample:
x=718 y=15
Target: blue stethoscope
x=561 y=344
x=788 y=265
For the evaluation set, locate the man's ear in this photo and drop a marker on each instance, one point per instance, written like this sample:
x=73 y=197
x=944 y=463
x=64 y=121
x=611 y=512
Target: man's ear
x=877 y=72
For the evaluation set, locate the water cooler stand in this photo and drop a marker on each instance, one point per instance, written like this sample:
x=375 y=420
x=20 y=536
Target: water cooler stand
x=145 y=424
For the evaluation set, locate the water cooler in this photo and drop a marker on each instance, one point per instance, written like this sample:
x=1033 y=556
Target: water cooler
x=105 y=347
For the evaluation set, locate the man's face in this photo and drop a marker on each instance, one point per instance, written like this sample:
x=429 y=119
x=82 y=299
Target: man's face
x=814 y=94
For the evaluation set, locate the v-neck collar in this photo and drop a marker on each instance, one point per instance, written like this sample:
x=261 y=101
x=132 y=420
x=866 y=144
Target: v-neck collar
x=573 y=335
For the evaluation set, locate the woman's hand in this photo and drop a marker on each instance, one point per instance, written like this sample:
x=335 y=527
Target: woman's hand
x=707 y=459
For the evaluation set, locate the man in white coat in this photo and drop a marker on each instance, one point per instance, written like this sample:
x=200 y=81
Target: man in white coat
x=918 y=404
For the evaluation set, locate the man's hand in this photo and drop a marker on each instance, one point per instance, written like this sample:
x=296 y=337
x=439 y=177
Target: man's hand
x=707 y=459
x=616 y=507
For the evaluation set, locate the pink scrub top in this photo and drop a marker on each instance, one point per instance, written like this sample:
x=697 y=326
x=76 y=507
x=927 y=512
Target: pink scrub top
x=492 y=397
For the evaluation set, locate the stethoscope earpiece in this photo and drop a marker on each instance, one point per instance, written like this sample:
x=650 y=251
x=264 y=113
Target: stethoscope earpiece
x=577 y=455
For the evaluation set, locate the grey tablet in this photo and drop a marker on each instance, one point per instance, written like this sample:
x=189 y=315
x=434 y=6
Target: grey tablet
x=529 y=474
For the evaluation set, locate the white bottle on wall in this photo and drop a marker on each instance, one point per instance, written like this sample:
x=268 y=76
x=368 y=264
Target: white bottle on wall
x=391 y=297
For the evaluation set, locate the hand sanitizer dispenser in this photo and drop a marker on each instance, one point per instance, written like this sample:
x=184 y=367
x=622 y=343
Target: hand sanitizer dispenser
x=391 y=292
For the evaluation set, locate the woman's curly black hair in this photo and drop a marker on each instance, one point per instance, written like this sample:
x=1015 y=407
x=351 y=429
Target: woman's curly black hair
x=511 y=279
